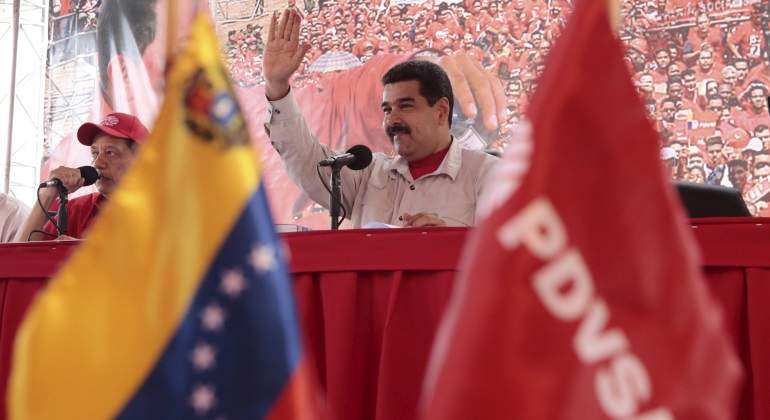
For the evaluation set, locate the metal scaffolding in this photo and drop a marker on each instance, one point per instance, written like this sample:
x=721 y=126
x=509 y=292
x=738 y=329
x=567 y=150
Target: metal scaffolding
x=24 y=40
x=72 y=73
x=236 y=14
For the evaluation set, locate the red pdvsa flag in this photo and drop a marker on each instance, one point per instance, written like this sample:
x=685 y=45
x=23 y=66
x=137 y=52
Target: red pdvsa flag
x=580 y=295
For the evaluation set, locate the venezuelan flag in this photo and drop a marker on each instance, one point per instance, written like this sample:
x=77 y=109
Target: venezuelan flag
x=178 y=305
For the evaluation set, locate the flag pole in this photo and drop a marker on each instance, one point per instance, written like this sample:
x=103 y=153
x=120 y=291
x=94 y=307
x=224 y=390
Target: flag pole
x=171 y=23
x=613 y=11
x=12 y=97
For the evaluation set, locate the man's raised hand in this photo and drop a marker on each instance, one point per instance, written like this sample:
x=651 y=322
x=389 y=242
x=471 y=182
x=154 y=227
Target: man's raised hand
x=283 y=53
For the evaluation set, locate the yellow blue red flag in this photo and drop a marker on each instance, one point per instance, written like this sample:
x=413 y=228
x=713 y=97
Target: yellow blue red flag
x=178 y=305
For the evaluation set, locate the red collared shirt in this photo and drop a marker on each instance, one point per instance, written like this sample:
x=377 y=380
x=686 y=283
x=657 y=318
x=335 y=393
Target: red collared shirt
x=427 y=165
x=81 y=211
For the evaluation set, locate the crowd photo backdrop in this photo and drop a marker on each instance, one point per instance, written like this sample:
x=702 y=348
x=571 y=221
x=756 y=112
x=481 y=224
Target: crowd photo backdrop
x=702 y=69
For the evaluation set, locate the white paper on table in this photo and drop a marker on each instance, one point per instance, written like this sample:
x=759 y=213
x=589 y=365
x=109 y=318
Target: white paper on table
x=379 y=225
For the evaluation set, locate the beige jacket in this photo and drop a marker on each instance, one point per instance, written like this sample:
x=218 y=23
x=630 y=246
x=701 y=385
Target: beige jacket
x=13 y=213
x=385 y=189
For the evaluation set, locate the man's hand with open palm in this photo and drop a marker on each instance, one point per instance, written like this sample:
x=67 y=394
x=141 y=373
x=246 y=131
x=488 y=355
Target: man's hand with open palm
x=283 y=53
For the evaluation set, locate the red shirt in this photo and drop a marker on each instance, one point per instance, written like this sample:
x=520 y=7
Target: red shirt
x=715 y=72
x=427 y=165
x=760 y=73
x=713 y=37
x=749 y=120
x=749 y=40
x=81 y=211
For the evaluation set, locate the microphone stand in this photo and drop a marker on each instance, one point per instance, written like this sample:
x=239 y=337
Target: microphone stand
x=336 y=198
x=61 y=213
x=357 y=157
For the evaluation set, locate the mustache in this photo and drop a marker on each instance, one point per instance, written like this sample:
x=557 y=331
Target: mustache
x=396 y=129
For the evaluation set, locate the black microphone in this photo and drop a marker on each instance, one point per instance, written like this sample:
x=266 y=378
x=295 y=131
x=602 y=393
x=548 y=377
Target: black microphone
x=86 y=172
x=356 y=158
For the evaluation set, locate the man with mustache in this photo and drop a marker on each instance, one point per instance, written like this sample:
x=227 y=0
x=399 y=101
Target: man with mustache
x=114 y=144
x=432 y=182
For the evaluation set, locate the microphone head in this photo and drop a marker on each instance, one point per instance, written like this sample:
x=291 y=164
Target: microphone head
x=89 y=174
x=363 y=157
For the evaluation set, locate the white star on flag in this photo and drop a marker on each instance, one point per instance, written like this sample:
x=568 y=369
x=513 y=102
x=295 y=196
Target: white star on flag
x=213 y=317
x=223 y=107
x=263 y=258
x=203 y=356
x=232 y=283
x=202 y=398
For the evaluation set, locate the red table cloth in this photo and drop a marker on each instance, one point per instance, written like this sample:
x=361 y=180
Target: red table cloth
x=370 y=302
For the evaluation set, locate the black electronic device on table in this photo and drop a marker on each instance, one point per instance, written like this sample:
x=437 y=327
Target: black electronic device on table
x=703 y=200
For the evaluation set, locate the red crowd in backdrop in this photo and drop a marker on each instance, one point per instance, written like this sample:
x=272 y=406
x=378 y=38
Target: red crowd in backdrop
x=700 y=67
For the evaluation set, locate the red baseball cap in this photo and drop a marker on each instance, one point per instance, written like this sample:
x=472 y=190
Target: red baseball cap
x=117 y=124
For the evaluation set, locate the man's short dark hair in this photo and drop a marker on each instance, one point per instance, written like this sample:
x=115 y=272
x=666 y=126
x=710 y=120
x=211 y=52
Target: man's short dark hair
x=675 y=79
x=738 y=162
x=141 y=18
x=433 y=80
x=714 y=140
x=754 y=85
x=688 y=72
x=679 y=142
x=667 y=99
